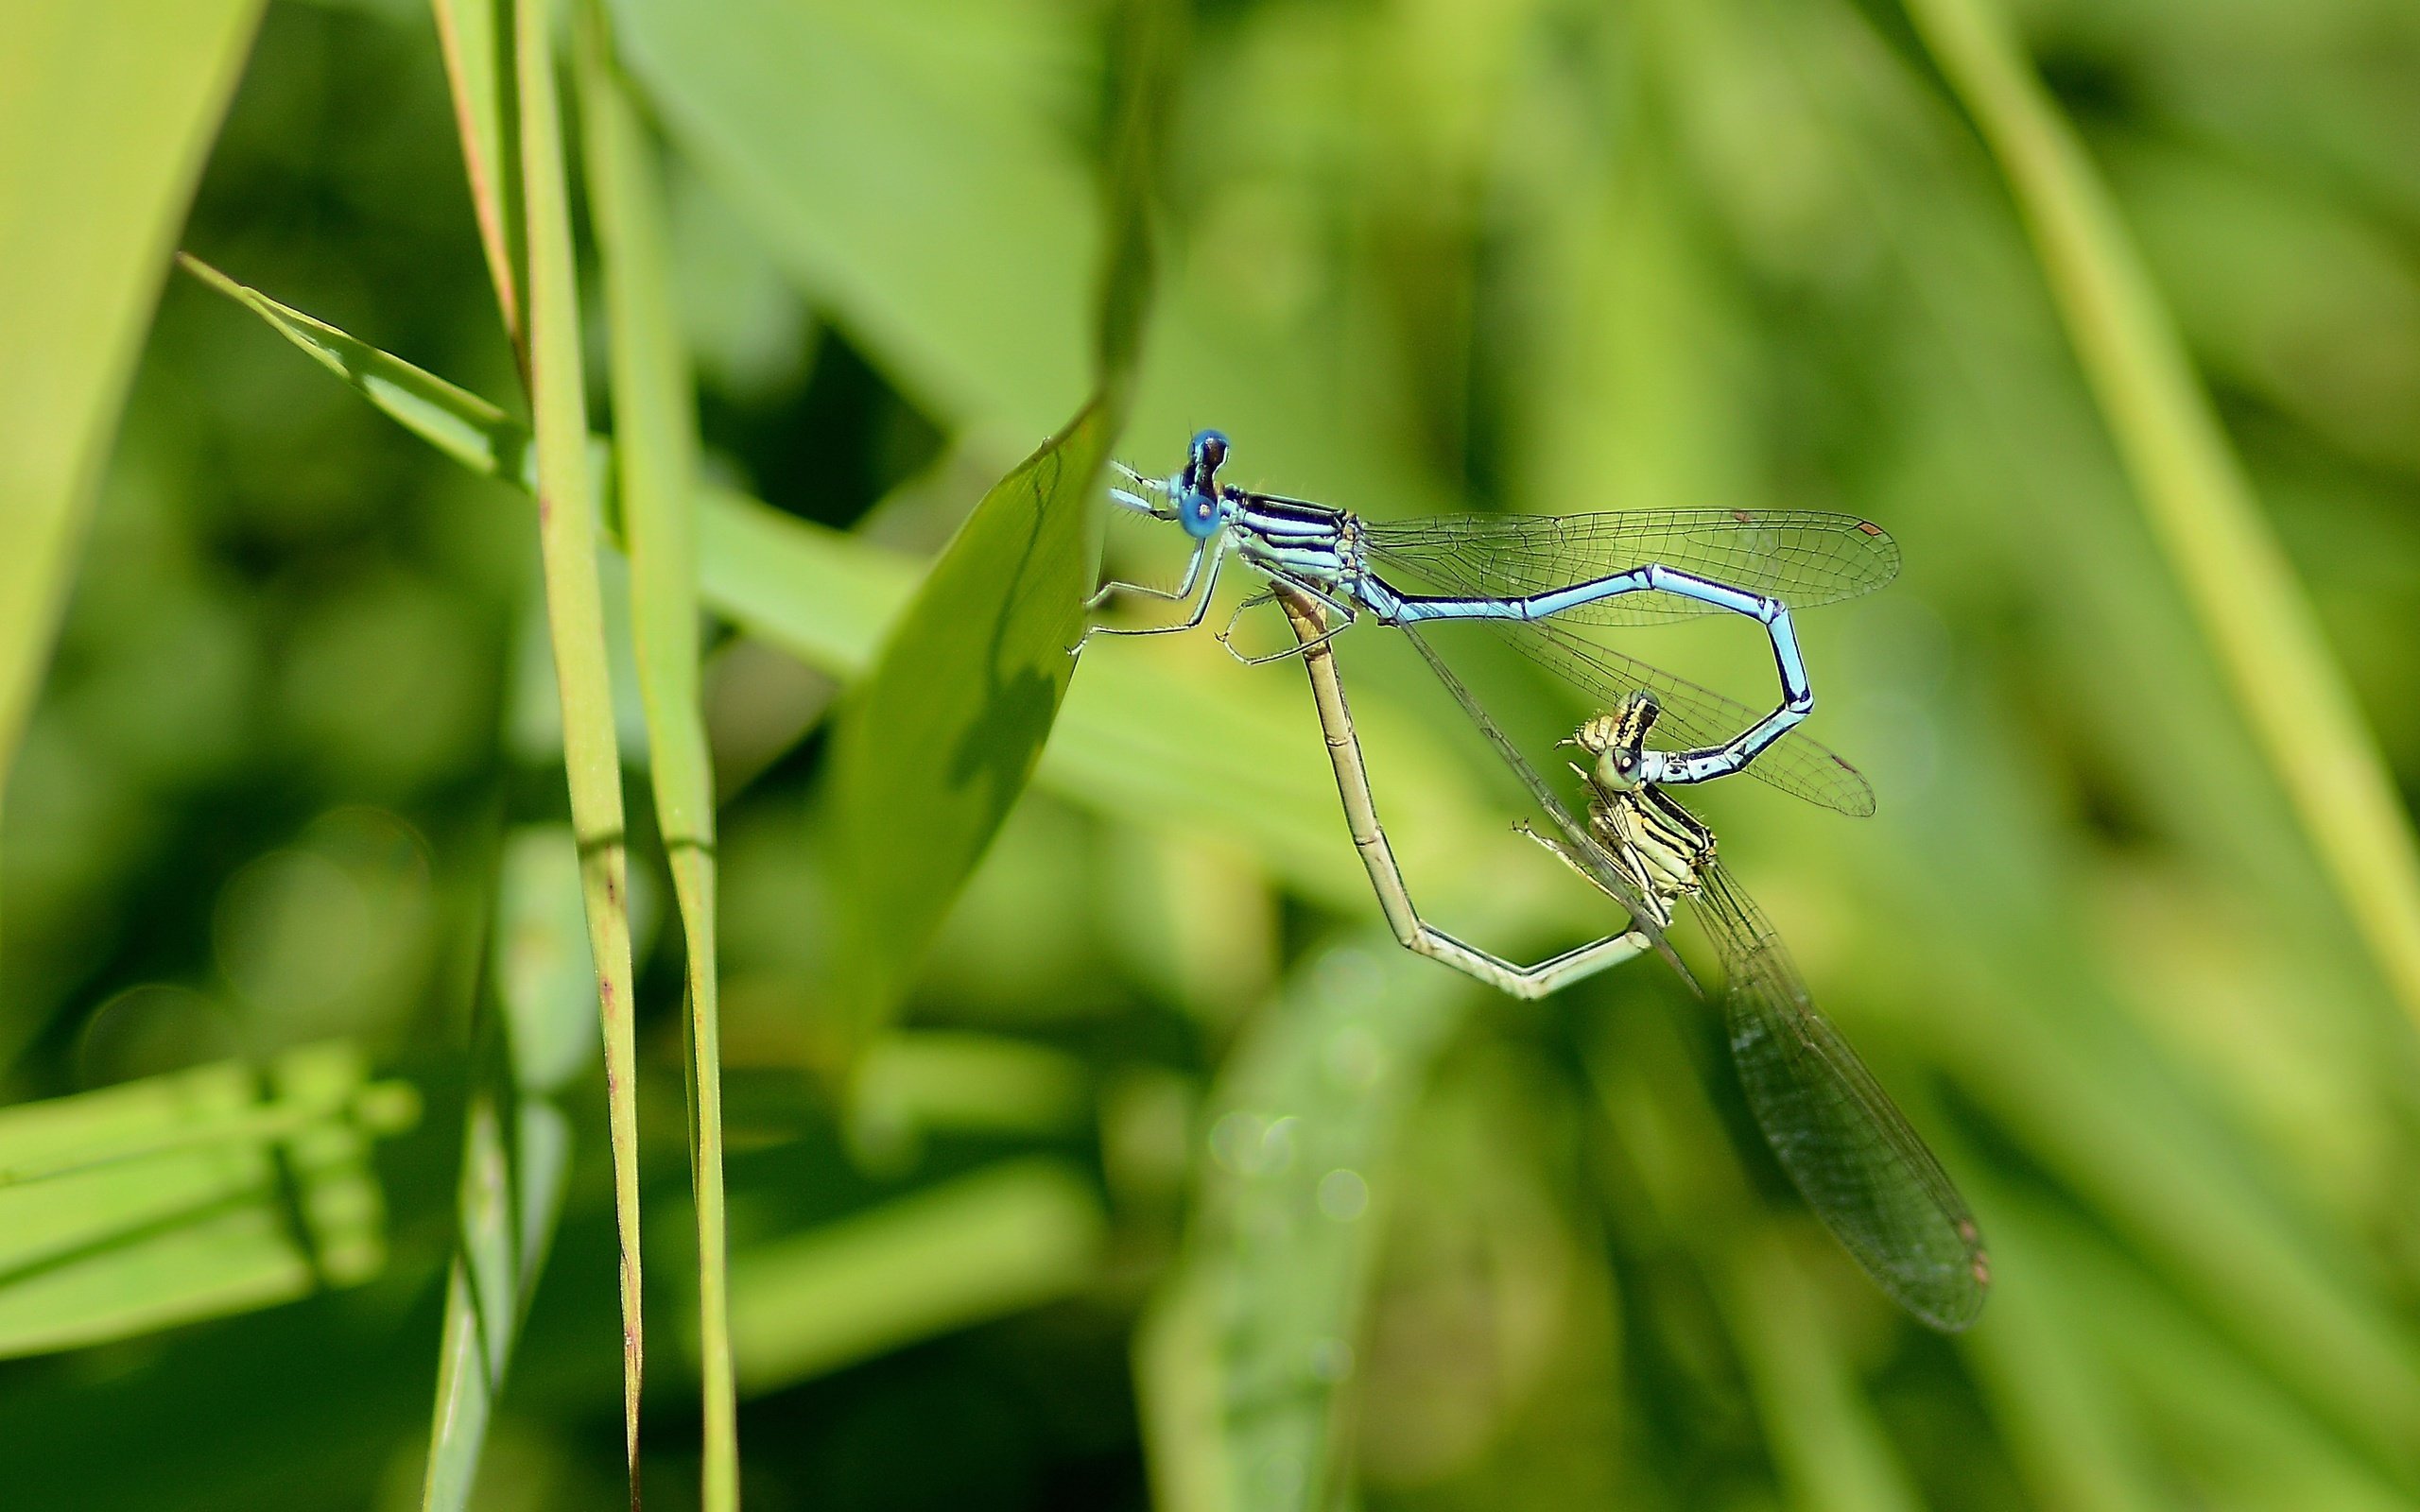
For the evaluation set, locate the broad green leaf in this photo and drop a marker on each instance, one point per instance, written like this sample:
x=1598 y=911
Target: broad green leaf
x=576 y=626
x=105 y=113
x=935 y=746
x=979 y=1246
x=512 y=1186
x=476 y=37
x=2253 y=611
x=655 y=437
x=184 y=1196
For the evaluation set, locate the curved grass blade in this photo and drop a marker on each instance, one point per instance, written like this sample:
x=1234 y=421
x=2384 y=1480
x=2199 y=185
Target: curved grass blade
x=1845 y=1145
x=1829 y=1443
x=576 y=626
x=1802 y=557
x=464 y=426
x=475 y=38
x=2257 y=619
x=656 y=453
x=106 y=114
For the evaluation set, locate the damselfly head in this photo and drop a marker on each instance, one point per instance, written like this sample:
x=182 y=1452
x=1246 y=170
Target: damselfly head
x=1195 y=490
x=1202 y=460
x=1618 y=739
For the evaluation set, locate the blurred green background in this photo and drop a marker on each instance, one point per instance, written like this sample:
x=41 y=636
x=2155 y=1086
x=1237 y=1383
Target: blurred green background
x=1177 y=1184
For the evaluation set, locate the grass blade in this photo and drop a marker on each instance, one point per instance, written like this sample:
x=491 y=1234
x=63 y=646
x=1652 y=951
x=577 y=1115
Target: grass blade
x=2254 y=613
x=1829 y=1447
x=512 y=1186
x=656 y=446
x=576 y=625
x=455 y=420
x=105 y=117
x=476 y=37
x=2070 y=1432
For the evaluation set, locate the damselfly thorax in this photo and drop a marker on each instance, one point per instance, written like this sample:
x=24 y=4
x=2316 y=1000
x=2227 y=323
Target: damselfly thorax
x=1659 y=846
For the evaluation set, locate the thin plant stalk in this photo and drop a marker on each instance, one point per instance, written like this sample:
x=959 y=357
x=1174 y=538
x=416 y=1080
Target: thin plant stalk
x=576 y=623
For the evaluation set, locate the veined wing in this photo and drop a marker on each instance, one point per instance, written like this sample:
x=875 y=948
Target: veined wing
x=1579 y=844
x=1796 y=763
x=1846 y=1145
x=1801 y=557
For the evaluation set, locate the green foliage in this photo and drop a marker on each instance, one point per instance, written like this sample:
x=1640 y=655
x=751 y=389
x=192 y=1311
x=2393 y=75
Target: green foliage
x=1158 y=1169
x=111 y=115
x=2264 y=632
x=183 y=1196
x=567 y=507
x=900 y=1272
x=516 y=1144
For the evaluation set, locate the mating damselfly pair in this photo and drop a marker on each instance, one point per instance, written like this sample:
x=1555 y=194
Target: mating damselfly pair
x=1843 y=1142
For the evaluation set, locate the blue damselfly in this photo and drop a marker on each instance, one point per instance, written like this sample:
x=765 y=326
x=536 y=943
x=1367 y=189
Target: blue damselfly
x=1531 y=578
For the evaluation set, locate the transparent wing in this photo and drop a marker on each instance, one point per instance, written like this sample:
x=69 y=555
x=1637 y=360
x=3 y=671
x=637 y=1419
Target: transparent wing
x=1801 y=557
x=1863 y=1170
x=1578 y=843
x=1796 y=763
